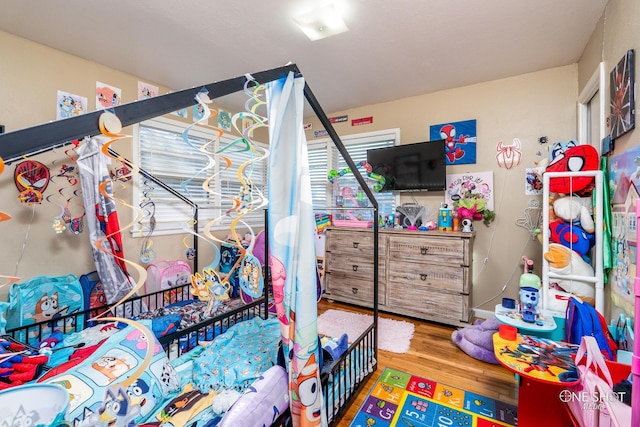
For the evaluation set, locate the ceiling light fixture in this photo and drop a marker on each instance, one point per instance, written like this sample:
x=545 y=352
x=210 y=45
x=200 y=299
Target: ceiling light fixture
x=321 y=22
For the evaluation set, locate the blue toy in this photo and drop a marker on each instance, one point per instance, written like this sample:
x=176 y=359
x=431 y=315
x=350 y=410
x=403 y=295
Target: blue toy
x=529 y=292
x=572 y=236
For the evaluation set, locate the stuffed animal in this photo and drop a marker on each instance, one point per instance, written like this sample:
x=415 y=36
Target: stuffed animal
x=573 y=209
x=564 y=261
x=572 y=157
x=477 y=340
x=572 y=236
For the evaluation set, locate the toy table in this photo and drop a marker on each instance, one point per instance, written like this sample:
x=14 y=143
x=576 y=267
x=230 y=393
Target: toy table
x=545 y=368
x=512 y=317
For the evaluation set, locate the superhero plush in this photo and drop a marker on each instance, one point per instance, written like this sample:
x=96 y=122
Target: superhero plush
x=572 y=236
x=571 y=157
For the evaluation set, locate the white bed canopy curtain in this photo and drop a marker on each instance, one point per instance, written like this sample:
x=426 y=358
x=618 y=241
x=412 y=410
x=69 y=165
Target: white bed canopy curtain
x=292 y=256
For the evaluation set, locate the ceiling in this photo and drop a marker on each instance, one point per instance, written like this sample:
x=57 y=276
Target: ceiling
x=393 y=49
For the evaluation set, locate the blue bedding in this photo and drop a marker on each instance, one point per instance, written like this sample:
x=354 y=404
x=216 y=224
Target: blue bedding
x=234 y=360
x=238 y=356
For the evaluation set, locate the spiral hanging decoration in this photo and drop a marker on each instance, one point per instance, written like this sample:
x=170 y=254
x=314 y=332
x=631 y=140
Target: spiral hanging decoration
x=203 y=100
x=249 y=197
x=147 y=227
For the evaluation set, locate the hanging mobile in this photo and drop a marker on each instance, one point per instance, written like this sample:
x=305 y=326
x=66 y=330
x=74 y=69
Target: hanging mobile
x=149 y=208
x=31 y=178
x=77 y=224
x=191 y=252
x=61 y=220
x=250 y=277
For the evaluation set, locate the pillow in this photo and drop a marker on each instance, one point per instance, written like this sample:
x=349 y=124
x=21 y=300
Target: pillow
x=262 y=402
x=116 y=360
x=165 y=325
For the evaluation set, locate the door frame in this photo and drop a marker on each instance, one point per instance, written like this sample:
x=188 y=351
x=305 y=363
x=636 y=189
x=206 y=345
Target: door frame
x=595 y=84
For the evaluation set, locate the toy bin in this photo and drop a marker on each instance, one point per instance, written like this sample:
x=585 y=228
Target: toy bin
x=34 y=404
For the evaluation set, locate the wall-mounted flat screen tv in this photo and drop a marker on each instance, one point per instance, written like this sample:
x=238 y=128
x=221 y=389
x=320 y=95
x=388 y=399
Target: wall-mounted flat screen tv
x=419 y=166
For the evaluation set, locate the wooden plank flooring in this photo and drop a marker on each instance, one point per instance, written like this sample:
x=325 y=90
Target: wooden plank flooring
x=433 y=356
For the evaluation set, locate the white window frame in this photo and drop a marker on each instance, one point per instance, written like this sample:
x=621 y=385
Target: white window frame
x=334 y=157
x=174 y=216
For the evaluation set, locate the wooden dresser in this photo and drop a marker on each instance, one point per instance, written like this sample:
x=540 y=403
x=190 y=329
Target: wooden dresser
x=426 y=275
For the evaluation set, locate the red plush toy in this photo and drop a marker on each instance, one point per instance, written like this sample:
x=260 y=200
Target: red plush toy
x=572 y=158
x=18 y=364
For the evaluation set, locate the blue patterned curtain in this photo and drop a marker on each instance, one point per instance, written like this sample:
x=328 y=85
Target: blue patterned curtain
x=291 y=241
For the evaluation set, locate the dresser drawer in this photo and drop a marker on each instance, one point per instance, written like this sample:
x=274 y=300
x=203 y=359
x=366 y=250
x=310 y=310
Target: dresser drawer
x=419 y=302
x=430 y=277
x=361 y=267
x=430 y=249
x=352 y=290
x=353 y=243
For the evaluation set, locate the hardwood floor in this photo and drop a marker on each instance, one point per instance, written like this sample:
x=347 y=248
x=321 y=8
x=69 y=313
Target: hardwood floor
x=433 y=356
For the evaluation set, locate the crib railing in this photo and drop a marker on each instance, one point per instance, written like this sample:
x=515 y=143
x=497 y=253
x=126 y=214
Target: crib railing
x=180 y=342
x=348 y=374
x=77 y=321
x=341 y=383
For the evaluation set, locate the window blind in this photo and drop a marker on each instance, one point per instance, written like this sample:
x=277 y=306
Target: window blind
x=324 y=156
x=185 y=167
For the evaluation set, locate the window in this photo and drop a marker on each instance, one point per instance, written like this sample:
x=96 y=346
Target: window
x=183 y=166
x=324 y=157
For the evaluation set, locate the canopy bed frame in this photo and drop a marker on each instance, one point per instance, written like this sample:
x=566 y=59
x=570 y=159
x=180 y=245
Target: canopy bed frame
x=349 y=373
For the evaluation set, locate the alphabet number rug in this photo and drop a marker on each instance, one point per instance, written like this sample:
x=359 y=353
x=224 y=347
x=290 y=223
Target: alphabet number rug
x=399 y=399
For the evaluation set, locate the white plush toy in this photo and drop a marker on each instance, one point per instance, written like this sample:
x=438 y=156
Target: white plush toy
x=573 y=209
x=564 y=261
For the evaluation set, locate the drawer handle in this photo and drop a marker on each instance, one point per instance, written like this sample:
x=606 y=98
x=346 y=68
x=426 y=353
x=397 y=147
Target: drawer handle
x=423 y=250
x=354 y=290
x=354 y=267
x=423 y=276
x=355 y=244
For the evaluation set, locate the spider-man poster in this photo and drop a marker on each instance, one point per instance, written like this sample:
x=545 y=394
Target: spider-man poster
x=460 y=141
x=621 y=81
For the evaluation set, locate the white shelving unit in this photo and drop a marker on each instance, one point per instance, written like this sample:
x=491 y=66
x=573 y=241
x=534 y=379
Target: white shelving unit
x=596 y=259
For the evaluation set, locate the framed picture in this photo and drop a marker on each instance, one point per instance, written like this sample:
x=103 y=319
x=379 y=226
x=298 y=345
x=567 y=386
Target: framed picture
x=460 y=141
x=621 y=81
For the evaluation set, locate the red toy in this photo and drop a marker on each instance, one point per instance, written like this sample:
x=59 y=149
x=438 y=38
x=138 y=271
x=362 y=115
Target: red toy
x=18 y=364
x=575 y=158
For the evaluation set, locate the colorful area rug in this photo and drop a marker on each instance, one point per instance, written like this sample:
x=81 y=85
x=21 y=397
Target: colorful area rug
x=393 y=335
x=399 y=399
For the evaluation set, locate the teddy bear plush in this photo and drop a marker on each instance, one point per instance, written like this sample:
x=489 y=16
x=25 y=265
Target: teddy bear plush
x=477 y=340
x=573 y=209
x=564 y=261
